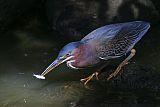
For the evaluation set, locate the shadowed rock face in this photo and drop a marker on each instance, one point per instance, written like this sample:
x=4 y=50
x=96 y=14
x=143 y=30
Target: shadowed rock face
x=76 y=18
x=157 y=4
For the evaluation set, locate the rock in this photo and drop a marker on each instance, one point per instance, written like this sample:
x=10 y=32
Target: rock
x=76 y=18
x=138 y=84
x=12 y=9
x=135 y=76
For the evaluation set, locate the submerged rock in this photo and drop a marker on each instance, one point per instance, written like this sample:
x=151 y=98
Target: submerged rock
x=76 y=18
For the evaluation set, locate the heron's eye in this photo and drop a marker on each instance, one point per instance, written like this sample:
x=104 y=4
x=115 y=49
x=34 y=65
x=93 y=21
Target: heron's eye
x=61 y=57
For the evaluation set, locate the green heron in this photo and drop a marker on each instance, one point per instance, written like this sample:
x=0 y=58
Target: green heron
x=107 y=42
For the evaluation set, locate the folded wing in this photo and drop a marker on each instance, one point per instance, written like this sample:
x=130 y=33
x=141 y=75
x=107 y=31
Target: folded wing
x=116 y=40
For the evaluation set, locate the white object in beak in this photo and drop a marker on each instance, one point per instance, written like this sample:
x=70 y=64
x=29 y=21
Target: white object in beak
x=39 y=76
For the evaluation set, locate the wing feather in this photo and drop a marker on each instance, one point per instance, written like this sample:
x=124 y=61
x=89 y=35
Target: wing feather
x=116 y=40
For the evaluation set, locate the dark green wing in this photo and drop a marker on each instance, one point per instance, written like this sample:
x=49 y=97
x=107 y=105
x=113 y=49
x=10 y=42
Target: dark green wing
x=117 y=39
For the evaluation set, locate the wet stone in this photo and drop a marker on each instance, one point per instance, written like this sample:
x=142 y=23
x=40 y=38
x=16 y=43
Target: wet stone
x=135 y=76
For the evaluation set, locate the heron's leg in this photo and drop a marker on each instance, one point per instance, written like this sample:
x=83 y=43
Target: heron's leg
x=86 y=80
x=125 y=62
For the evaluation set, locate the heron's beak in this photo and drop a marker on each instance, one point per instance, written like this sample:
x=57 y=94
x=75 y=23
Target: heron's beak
x=56 y=63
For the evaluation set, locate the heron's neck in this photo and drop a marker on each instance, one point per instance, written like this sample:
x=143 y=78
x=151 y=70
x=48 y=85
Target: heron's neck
x=84 y=56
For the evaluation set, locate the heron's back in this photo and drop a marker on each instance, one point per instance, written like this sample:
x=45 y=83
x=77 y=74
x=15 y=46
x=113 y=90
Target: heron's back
x=115 y=40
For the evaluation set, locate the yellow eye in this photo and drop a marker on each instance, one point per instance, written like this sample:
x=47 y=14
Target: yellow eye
x=62 y=57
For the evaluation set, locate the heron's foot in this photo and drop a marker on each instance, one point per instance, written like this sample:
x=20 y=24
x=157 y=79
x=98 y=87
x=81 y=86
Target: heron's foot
x=125 y=62
x=86 y=80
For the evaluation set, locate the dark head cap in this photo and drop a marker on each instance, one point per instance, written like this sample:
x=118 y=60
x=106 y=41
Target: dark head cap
x=67 y=49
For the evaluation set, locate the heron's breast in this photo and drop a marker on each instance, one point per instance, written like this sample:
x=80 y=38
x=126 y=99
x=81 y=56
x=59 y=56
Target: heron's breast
x=85 y=56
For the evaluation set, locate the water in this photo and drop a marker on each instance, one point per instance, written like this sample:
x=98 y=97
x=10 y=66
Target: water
x=19 y=88
x=28 y=49
x=19 y=60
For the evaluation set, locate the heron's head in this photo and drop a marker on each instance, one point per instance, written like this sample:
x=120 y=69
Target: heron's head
x=66 y=54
